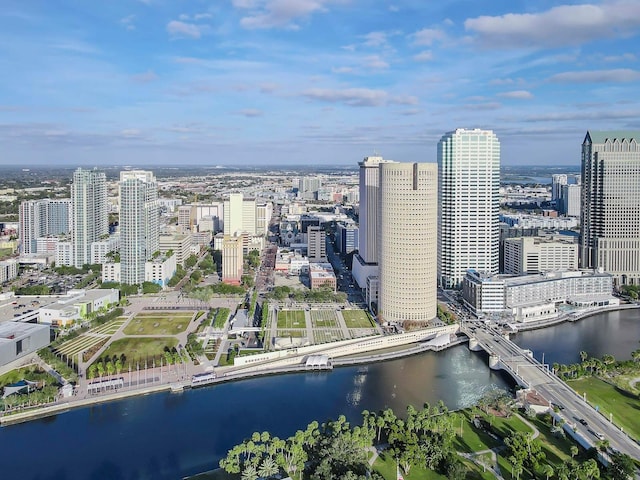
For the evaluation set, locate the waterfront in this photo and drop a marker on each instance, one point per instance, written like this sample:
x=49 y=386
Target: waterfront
x=167 y=436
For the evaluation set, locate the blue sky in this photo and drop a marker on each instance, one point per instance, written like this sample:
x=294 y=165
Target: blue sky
x=252 y=82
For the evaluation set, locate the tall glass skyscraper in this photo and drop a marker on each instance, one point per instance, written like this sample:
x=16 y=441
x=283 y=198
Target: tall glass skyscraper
x=468 y=203
x=610 y=237
x=90 y=217
x=139 y=223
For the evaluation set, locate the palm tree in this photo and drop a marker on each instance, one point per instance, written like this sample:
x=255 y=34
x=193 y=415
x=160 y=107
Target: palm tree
x=100 y=369
x=269 y=468
x=583 y=356
x=574 y=451
x=548 y=471
x=91 y=372
x=110 y=368
x=635 y=355
x=118 y=366
x=249 y=473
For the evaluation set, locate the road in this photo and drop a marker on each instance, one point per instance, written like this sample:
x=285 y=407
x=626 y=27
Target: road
x=574 y=408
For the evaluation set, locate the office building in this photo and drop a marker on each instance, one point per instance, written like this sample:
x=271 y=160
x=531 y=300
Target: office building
x=346 y=237
x=42 y=218
x=610 y=217
x=139 y=223
x=365 y=263
x=317 y=244
x=232 y=259
x=89 y=212
x=180 y=245
x=468 y=200
x=526 y=255
x=407 y=241
x=239 y=215
x=557 y=182
x=570 y=200
x=264 y=212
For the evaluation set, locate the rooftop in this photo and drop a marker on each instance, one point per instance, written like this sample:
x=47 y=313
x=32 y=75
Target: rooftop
x=612 y=135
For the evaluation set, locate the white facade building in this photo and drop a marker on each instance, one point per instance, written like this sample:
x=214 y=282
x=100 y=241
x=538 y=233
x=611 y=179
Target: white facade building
x=101 y=248
x=524 y=255
x=239 y=215
x=407 y=240
x=557 y=182
x=468 y=200
x=571 y=200
x=539 y=221
x=42 y=218
x=89 y=212
x=8 y=270
x=179 y=244
x=610 y=237
x=534 y=297
x=139 y=223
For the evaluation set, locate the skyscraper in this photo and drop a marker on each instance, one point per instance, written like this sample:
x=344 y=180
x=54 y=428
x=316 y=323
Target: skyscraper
x=90 y=217
x=468 y=202
x=42 y=218
x=557 y=181
x=610 y=236
x=407 y=240
x=239 y=215
x=139 y=223
x=366 y=262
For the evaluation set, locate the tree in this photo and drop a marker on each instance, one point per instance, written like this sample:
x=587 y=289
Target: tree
x=621 y=467
x=574 y=451
x=110 y=368
x=583 y=356
x=268 y=468
x=91 y=372
x=547 y=471
x=191 y=261
x=249 y=473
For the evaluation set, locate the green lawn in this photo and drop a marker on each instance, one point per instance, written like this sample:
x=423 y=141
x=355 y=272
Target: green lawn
x=610 y=399
x=139 y=349
x=291 y=319
x=31 y=372
x=158 y=324
x=357 y=319
x=385 y=465
x=296 y=332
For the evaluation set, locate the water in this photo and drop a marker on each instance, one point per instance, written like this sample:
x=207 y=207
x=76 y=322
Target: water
x=168 y=436
x=616 y=333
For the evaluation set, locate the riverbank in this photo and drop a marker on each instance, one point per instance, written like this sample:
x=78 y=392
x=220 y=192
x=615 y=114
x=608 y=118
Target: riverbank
x=225 y=374
x=572 y=317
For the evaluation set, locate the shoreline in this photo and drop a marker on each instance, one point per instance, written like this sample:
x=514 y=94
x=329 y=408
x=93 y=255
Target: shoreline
x=412 y=349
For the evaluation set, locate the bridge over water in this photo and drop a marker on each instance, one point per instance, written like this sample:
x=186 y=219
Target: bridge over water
x=530 y=373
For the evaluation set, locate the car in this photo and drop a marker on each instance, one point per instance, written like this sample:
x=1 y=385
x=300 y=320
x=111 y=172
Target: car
x=599 y=435
x=583 y=422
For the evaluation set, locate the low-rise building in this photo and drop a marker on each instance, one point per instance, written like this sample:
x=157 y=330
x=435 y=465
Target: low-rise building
x=78 y=305
x=19 y=339
x=321 y=276
x=158 y=270
x=101 y=248
x=534 y=297
x=180 y=245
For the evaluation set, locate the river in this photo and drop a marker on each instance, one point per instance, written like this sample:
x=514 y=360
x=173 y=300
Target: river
x=168 y=436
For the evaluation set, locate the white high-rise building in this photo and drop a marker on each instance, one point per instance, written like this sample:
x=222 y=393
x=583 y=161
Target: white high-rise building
x=89 y=211
x=557 y=181
x=42 y=218
x=139 y=223
x=468 y=201
x=610 y=219
x=365 y=263
x=239 y=215
x=571 y=200
x=407 y=240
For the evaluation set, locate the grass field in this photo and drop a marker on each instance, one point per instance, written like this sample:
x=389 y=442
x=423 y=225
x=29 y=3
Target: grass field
x=385 y=465
x=323 y=319
x=295 y=332
x=357 y=319
x=158 y=323
x=135 y=349
x=623 y=405
x=111 y=327
x=291 y=319
x=78 y=344
x=325 y=335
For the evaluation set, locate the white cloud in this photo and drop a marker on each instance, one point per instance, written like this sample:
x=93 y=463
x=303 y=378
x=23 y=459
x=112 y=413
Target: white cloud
x=559 y=26
x=202 y=16
x=183 y=29
x=625 y=57
x=424 y=56
x=342 y=70
x=127 y=22
x=619 y=75
x=130 y=132
x=183 y=16
x=427 y=36
x=517 y=94
x=375 y=39
x=376 y=62
x=278 y=13
x=355 y=97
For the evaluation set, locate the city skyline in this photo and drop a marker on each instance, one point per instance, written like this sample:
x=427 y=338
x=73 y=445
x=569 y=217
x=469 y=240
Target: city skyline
x=250 y=81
